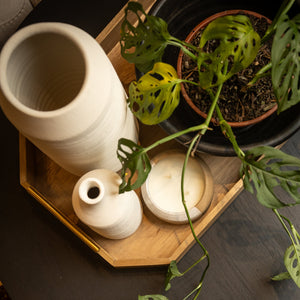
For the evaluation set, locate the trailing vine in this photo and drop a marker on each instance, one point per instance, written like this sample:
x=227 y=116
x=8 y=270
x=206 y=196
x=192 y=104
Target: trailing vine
x=156 y=94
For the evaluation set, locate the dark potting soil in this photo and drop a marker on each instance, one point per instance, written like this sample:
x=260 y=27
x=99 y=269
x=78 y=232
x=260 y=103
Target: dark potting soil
x=237 y=101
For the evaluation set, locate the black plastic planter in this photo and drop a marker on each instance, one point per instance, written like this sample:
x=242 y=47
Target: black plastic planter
x=181 y=17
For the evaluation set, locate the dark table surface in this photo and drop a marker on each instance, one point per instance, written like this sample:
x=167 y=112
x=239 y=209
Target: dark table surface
x=41 y=259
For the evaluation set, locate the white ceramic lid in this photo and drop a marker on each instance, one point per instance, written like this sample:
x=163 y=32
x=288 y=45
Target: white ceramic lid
x=162 y=190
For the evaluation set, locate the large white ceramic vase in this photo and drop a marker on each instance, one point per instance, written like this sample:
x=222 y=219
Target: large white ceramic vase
x=60 y=90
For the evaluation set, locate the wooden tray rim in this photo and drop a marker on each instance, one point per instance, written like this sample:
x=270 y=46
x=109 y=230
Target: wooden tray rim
x=111 y=46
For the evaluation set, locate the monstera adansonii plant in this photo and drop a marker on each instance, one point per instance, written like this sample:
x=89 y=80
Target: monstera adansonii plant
x=155 y=95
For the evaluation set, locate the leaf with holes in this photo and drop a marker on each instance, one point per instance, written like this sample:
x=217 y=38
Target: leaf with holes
x=144 y=43
x=135 y=165
x=285 y=58
x=155 y=96
x=268 y=168
x=236 y=46
x=292 y=262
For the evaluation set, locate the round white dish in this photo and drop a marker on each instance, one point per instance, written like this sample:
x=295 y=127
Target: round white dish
x=162 y=190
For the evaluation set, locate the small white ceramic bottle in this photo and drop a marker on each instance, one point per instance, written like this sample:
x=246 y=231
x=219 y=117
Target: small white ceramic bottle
x=61 y=91
x=98 y=204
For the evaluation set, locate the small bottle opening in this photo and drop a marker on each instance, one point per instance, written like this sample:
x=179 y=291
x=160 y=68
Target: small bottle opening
x=93 y=192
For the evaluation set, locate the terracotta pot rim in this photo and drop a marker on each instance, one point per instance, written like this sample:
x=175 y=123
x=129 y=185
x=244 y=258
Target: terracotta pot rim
x=179 y=64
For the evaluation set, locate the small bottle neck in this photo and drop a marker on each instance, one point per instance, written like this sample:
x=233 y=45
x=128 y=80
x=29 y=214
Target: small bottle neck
x=91 y=191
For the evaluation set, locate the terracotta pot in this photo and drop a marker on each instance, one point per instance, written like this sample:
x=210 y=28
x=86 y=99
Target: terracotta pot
x=61 y=91
x=189 y=39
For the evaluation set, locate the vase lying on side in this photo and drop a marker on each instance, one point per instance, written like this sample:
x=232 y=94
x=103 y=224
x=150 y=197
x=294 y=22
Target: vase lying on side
x=61 y=92
x=181 y=62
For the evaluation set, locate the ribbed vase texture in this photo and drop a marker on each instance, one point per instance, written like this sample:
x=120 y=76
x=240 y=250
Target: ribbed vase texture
x=60 y=90
x=98 y=204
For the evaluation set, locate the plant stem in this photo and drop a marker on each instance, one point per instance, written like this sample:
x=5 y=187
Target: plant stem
x=189 y=219
x=295 y=233
x=175 y=135
x=228 y=130
x=202 y=127
x=182 y=190
x=280 y=217
x=261 y=73
x=184 y=47
x=194 y=264
x=214 y=104
x=284 y=8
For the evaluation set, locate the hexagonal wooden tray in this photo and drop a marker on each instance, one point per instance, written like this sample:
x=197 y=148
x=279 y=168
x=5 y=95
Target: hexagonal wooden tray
x=155 y=242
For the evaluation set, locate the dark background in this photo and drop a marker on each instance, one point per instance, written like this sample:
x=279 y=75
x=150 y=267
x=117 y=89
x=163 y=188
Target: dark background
x=41 y=259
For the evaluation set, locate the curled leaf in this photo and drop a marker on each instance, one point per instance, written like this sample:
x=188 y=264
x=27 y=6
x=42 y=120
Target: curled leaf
x=281 y=276
x=155 y=96
x=173 y=272
x=237 y=44
x=135 y=165
x=144 y=43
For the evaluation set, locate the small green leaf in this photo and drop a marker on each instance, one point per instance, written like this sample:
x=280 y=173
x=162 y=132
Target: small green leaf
x=143 y=44
x=152 y=297
x=238 y=44
x=135 y=165
x=173 y=272
x=268 y=168
x=281 y=276
x=285 y=57
x=155 y=96
x=292 y=262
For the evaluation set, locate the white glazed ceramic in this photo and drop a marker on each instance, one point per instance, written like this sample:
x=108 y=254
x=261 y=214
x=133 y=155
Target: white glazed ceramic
x=98 y=204
x=62 y=93
x=162 y=190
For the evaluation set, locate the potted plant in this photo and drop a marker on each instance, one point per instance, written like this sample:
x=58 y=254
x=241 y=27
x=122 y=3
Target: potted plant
x=154 y=97
x=241 y=102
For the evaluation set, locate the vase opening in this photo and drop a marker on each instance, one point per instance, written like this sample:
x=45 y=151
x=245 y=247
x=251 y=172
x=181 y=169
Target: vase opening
x=46 y=71
x=91 y=191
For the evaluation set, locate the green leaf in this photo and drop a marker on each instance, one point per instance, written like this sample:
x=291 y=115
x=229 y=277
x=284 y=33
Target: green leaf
x=144 y=43
x=292 y=254
x=284 y=8
x=273 y=169
x=238 y=44
x=281 y=276
x=152 y=297
x=135 y=165
x=173 y=272
x=285 y=57
x=292 y=262
x=155 y=96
